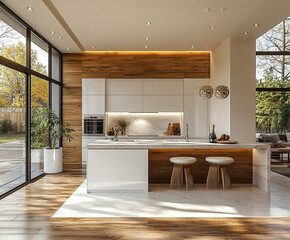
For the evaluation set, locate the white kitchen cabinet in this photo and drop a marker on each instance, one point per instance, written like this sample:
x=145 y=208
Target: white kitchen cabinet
x=196 y=115
x=93 y=104
x=93 y=86
x=162 y=86
x=124 y=86
x=117 y=170
x=162 y=103
x=124 y=103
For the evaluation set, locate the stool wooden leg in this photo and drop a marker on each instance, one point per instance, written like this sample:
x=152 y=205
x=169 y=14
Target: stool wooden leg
x=226 y=180
x=188 y=177
x=212 y=176
x=176 y=176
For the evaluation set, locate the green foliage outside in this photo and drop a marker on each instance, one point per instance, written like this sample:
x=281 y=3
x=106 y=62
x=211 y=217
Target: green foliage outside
x=272 y=108
x=7 y=126
x=5 y=138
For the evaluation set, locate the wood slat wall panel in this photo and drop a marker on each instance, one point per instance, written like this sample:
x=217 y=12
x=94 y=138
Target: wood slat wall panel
x=160 y=168
x=119 y=65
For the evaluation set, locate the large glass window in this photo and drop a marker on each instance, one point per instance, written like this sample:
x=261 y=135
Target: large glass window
x=12 y=128
x=55 y=65
x=39 y=135
x=273 y=80
x=12 y=39
x=22 y=91
x=39 y=55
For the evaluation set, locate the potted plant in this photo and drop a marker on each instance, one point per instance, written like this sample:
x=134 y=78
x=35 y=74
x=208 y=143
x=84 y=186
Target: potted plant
x=123 y=125
x=56 y=129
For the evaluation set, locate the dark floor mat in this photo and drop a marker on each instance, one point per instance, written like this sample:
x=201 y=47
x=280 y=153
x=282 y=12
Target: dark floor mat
x=281 y=170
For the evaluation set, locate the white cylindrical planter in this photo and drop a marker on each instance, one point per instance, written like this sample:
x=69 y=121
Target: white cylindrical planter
x=52 y=160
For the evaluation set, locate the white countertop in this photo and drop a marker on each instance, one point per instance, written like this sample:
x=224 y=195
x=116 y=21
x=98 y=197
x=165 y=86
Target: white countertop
x=168 y=143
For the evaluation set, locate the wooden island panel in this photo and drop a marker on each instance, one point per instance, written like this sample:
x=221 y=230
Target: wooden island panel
x=160 y=168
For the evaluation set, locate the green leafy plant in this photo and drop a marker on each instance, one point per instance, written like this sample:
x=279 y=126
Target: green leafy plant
x=7 y=126
x=123 y=124
x=55 y=127
x=39 y=133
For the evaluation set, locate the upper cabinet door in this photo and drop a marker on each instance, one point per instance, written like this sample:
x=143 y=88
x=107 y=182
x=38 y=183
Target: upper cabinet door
x=93 y=86
x=93 y=104
x=162 y=103
x=162 y=86
x=124 y=86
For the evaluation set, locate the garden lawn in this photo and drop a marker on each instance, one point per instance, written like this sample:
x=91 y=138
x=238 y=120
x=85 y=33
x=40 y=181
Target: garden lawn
x=5 y=138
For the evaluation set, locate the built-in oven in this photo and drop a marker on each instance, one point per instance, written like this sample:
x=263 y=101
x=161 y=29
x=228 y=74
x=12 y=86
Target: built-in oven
x=94 y=125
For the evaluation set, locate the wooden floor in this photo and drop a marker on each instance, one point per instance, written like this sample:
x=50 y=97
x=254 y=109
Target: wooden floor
x=26 y=214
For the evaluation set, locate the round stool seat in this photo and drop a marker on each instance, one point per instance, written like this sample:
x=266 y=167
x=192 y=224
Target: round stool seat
x=220 y=160
x=183 y=160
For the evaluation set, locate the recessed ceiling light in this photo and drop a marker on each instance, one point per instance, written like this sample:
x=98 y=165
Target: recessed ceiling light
x=223 y=9
x=147 y=38
x=67 y=48
x=29 y=8
x=145 y=46
x=148 y=23
x=245 y=33
x=256 y=25
x=207 y=9
x=59 y=38
x=52 y=32
x=93 y=46
x=212 y=27
x=193 y=46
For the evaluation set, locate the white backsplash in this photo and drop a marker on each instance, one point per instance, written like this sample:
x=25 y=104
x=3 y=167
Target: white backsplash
x=145 y=123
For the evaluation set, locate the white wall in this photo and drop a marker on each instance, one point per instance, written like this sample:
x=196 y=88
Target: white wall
x=243 y=89
x=220 y=75
x=233 y=65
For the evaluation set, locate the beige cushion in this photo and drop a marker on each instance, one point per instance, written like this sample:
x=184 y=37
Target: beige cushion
x=274 y=138
x=183 y=160
x=220 y=160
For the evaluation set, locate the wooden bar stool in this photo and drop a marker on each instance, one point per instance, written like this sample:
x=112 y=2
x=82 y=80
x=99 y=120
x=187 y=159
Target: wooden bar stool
x=213 y=176
x=180 y=164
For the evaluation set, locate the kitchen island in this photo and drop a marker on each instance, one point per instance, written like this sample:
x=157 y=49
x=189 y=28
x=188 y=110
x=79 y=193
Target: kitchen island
x=130 y=165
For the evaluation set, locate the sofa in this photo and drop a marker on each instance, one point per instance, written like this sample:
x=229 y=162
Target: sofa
x=277 y=141
x=274 y=139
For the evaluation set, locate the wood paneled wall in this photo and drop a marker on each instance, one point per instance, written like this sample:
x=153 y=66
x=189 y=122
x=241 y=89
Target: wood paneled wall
x=160 y=168
x=119 y=65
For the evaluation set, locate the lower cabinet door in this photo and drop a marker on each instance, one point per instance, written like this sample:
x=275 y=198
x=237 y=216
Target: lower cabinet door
x=117 y=170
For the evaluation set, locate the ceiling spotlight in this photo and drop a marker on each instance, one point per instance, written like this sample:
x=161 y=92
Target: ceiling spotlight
x=223 y=9
x=67 y=48
x=245 y=33
x=29 y=8
x=212 y=27
x=93 y=46
x=52 y=32
x=148 y=23
x=59 y=38
x=256 y=25
x=193 y=46
x=207 y=9
x=145 y=46
x=147 y=38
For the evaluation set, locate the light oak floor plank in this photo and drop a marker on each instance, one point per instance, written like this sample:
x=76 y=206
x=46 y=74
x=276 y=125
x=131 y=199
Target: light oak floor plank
x=27 y=214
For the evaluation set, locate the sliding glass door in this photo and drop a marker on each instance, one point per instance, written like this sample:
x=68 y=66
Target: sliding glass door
x=12 y=128
x=30 y=83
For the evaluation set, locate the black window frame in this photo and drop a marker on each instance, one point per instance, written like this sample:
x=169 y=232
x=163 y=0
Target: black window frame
x=28 y=72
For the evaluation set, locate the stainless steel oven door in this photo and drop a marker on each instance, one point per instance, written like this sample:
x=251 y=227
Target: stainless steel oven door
x=93 y=126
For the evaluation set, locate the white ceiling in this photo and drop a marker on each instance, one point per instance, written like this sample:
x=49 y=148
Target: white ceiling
x=120 y=25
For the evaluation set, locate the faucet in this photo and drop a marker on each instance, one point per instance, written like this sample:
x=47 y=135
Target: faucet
x=187 y=137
